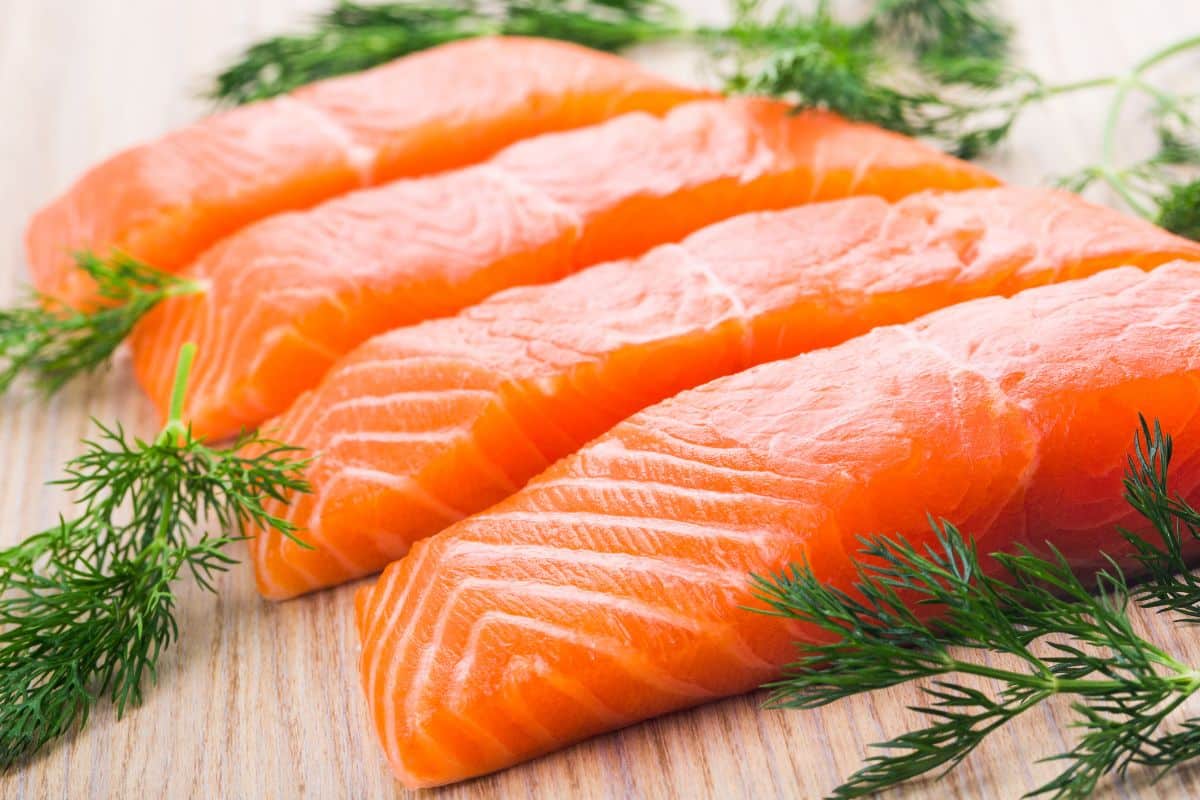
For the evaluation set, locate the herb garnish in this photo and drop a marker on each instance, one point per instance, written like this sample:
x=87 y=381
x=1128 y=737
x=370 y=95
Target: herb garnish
x=940 y=70
x=936 y=69
x=1165 y=186
x=1066 y=636
x=87 y=607
x=54 y=342
x=913 y=66
x=355 y=36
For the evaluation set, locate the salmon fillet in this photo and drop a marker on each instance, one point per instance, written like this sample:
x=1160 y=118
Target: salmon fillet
x=612 y=588
x=426 y=424
x=166 y=201
x=288 y=296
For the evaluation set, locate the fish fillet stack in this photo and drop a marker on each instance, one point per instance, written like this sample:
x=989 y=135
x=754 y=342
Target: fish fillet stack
x=578 y=417
x=427 y=424
x=287 y=297
x=169 y=200
x=613 y=587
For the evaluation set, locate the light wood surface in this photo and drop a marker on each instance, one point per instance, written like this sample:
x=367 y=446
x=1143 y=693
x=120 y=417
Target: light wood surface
x=262 y=700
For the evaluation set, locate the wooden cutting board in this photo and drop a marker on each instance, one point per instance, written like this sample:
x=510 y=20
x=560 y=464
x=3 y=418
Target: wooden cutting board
x=261 y=700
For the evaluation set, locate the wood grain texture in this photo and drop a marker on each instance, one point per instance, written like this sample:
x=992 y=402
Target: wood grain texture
x=262 y=700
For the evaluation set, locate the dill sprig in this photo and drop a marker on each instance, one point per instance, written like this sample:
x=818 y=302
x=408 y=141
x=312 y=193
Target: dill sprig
x=935 y=69
x=940 y=70
x=355 y=36
x=1178 y=208
x=1167 y=583
x=54 y=343
x=956 y=40
x=913 y=66
x=917 y=613
x=1166 y=186
x=87 y=607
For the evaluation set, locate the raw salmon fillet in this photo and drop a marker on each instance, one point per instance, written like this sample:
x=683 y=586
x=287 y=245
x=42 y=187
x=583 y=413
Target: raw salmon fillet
x=612 y=588
x=457 y=104
x=426 y=424
x=288 y=296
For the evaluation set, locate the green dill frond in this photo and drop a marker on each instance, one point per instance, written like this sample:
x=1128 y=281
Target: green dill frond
x=1174 y=149
x=87 y=607
x=852 y=80
x=918 y=613
x=889 y=71
x=350 y=38
x=1179 y=209
x=1165 y=186
x=609 y=25
x=822 y=64
x=1169 y=585
x=53 y=344
x=956 y=41
x=357 y=36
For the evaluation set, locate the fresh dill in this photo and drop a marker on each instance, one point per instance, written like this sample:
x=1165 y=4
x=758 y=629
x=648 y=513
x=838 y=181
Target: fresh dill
x=1168 y=584
x=935 y=69
x=1178 y=208
x=941 y=70
x=349 y=38
x=1066 y=636
x=355 y=36
x=913 y=66
x=87 y=607
x=1166 y=186
x=54 y=343
x=955 y=39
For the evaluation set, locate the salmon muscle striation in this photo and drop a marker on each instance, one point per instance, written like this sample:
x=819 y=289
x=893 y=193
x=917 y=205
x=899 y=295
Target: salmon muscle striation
x=166 y=201
x=426 y=424
x=286 y=297
x=614 y=586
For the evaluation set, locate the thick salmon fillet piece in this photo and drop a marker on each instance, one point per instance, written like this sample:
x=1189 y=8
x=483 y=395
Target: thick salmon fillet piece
x=612 y=588
x=426 y=424
x=289 y=295
x=457 y=104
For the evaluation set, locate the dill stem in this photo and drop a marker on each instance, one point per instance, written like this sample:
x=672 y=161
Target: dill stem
x=1041 y=93
x=1116 y=178
x=1107 y=169
x=174 y=428
x=161 y=535
x=182 y=287
x=1171 y=50
x=1183 y=679
x=1077 y=86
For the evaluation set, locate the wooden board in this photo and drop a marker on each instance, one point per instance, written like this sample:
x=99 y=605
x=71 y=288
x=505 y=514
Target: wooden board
x=261 y=700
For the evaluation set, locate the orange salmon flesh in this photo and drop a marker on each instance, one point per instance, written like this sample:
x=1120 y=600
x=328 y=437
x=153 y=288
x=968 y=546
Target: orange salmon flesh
x=613 y=587
x=424 y=425
x=167 y=201
x=285 y=298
